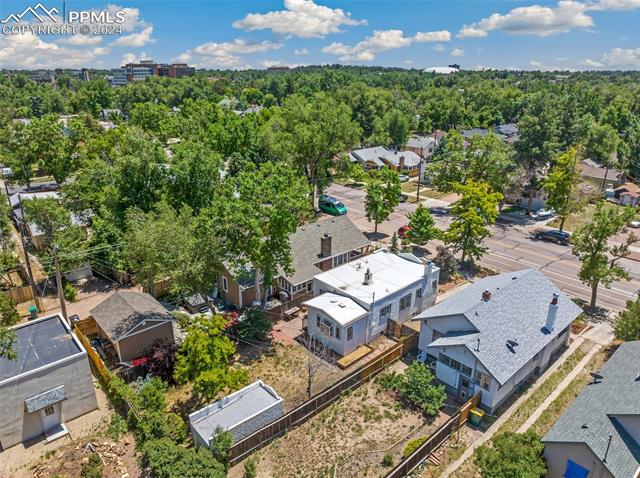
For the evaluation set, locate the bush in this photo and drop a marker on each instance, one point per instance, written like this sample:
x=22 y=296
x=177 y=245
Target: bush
x=151 y=395
x=250 y=468
x=512 y=454
x=627 y=326
x=412 y=446
x=387 y=459
x=447 y=263
x=162 y=359
x=220 y=445
x=117 y=427
x=255 y=326
x=417 y=387
x=390 y=380
x=153 y=425
x=69 y=292
x=164 y=459
x=93 y=468
x=120 y=393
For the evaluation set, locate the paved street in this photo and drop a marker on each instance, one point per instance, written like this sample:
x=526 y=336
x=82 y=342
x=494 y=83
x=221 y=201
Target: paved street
x=510 y=249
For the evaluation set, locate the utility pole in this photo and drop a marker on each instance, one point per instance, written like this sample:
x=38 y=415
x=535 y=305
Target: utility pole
x=420 y=174
x=34 y=289
x=63 y=305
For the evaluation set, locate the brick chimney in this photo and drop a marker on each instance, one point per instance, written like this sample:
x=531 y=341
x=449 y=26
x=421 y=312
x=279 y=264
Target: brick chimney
x=325 y=245
x=401 y=163
x=486 y=295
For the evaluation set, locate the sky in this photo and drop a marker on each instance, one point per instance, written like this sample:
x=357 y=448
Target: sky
x=239 y=34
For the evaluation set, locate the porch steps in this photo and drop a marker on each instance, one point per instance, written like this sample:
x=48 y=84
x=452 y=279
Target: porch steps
x=435 y=458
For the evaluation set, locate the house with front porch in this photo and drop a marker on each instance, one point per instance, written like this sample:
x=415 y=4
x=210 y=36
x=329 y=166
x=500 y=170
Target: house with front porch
x=352 y=304
x=496 y=333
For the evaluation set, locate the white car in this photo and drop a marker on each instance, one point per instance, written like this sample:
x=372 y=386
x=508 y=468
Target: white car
x=634 y=224
x=7 y=172
x=544 y=214
x=404 y=178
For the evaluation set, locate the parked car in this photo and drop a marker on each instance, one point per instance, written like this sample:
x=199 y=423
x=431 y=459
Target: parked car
x=544 y=214
x=403 y=231
x=402 y=197
x=7 y=172
x=559 y=237
x=634 y=224
x=404 y=178
x=331 y=205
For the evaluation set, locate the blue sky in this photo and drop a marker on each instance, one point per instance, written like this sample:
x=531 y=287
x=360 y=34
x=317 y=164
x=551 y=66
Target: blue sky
x=565 y=34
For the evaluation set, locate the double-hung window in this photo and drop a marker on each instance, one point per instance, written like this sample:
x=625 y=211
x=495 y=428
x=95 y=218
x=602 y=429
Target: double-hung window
x=405 y=302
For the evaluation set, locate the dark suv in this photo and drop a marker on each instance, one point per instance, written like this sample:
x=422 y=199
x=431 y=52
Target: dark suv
x=559 y=237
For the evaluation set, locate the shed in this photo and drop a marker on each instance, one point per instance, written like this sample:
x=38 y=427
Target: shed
x=242 y=413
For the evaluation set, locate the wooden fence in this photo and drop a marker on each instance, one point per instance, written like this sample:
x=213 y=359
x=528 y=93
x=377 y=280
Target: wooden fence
x=97 y=362
x=435 y=441
x=20 y=294
x=87 y=326
x=131 y=374
x=318 y=402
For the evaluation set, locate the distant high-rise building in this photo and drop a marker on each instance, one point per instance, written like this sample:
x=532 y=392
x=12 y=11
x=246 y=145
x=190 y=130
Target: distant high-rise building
x=84 y=74
x=147 y=68
x=119 y=77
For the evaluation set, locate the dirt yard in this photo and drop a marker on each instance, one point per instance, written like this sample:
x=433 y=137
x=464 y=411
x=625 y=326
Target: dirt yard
x=348 y=439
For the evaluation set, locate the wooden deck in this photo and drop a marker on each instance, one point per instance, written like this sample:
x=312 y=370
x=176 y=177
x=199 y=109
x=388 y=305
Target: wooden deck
x=354 y=356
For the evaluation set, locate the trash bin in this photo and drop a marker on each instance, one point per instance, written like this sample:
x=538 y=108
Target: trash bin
x=33 y=311
x=475 y=416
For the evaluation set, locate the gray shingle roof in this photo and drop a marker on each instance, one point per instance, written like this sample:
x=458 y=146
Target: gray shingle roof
x=410 y=158
x=371 y=155
x=305 y=245
x=119 y=313
x=517 y=311
x=594 y=414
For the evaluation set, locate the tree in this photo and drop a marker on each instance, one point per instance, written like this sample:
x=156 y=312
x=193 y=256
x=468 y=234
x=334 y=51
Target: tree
x=416 y=385
x=309 y=133
x=319 y=357
x=627 y=326
x=396 y=128
x=512 y=454
x=151 y=396
x=561 y=186
x=8 y=317
x=423 y=226
x=447 y=262
x=473 y=213
x=162 y=359
x=256 y=325
x=256 y=213
x=165 y=459
x=220 y=445
x=602 y=146
x=383 y=195
x=394 y=247
x=203 y=358
x=600 y=260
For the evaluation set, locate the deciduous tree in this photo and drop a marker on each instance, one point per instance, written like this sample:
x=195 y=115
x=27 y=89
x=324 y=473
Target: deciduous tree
x=562 y=186
x=383 y=195
x=627 y=326
x=423 y=226
x=512 y=454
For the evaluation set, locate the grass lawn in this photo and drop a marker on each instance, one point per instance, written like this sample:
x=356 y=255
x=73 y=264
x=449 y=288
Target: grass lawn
x=574 y=221
x=349 y=439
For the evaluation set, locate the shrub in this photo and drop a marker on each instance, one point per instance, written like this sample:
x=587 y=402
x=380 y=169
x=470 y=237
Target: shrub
x=627 y=326
x=220 y=445
x=120 y=393
x=164 y=459
x=255 y=326
x=154 y=425
x=93 y=468
x=162 y=359
x=417 y=387
x=390 y=380
x=151 y=395
x=69 y=292
x=387 y=459
x=512 y=454
x=117 y=427
x=250 y=468
x=412 y=446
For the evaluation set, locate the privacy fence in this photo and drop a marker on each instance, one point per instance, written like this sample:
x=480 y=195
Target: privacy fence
x=319 y=402
x=435 y=441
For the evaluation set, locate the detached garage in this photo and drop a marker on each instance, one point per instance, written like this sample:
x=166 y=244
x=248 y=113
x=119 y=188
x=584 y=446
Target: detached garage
x=132 y=321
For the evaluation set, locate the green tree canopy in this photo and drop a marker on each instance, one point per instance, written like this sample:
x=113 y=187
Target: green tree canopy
x=627 y=326
x=383 y=195
x=512 y=454
x=562 y=185
x=423 y=226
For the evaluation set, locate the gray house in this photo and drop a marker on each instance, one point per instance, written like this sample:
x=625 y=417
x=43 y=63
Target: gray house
x=599 y=435
x=353 y=303
x=494 y=334
x=49 y=383
x=241 y=413
x=131 y=322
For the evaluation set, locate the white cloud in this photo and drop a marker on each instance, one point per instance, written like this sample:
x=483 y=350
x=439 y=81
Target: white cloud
x=80 y=40
x=457 y=52
x=409 y=62
x=29 y=51
x=537 y=65
x=137 y=39
x=618 y=58
x=533 y=20
x=381 y=40
x=439 y=47
x=301 y=18
x=275 y=63
x=225 y=54
x=133 y=58
x=561 y=58
x=301 y=52
x=544 y=20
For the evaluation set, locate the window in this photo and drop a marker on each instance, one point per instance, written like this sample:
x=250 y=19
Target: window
x=309 y=286
x=325 y=326
x=48 y=411
x=466 y=370
x=350 y=333
x=337 y=331
x=483 y=380
x=385 y=311
x=339 y=260
x=435 y=335
x=418 y=293
x=443 y=358
x=455 y=364
x=405 y=302
x=434 y=286
x=225 y=284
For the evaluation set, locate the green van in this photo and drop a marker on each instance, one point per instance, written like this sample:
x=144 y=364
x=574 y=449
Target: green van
x=331 y=205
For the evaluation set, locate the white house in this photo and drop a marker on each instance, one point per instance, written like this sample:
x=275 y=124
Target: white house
x=352 y=303
x=48 y=383
x=494 y=334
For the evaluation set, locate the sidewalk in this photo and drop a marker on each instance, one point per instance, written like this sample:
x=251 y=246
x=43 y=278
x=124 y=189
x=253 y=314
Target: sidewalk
x=450 y=470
